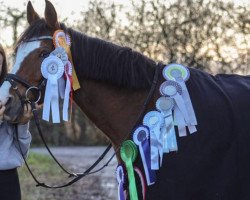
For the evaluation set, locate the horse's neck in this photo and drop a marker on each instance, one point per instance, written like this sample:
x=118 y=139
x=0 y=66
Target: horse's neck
x=112 y=110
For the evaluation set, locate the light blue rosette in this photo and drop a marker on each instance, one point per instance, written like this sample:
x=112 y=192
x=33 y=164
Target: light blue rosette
x=154 y=120
x=166 y=105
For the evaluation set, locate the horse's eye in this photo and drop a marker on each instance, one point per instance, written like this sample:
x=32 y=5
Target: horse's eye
x=44 y=54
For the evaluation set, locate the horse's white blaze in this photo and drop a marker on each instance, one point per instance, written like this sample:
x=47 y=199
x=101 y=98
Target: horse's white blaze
x=23 y=51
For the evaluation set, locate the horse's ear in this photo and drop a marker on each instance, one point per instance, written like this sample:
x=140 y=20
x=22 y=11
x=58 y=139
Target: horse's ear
x=51 y=15
x=31 y=13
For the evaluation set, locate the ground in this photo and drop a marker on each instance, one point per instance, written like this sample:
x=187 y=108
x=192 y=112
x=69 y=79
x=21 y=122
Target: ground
x=100 y=186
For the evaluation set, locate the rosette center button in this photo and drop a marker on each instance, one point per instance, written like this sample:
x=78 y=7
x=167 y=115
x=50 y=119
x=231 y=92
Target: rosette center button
x=52 y=68
x=153 y=120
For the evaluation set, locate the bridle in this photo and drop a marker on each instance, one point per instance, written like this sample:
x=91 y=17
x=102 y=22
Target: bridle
x=14 y=80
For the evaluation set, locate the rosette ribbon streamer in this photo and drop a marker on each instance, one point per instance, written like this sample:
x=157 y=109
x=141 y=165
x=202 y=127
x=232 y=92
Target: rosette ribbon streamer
x=52 y=69
x=68 y=91
x=121 y=180
x=129 y=153
x=154 y=120
x=143 y=184
x=181 y=74
x=141 y=138
x=166 y=105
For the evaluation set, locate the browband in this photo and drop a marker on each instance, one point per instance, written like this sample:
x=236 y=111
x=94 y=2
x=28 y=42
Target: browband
x=39 y=38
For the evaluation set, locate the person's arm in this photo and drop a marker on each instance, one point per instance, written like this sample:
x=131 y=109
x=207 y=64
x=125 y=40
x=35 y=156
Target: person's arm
x=24 y=139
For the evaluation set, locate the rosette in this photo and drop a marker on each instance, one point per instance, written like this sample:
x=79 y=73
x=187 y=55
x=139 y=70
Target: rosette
x=129 y=153
x=60 y=53
x=60 y=39
x=170 y=89
x=174 y=71
x=60 y=34
x=181 y=74
x=52 y=69
x=141 y=138
x=166 y=105
x=121 y=180
x=68 y=91
x=154 y=120
x=174 y=90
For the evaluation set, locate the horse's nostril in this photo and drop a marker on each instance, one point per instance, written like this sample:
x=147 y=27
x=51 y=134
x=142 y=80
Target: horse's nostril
x=9 y=100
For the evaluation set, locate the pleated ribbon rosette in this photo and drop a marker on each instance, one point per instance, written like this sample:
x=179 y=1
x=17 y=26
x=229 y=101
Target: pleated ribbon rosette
x=157 y=135
x=129 y=154
x=175 y=87
x=120 y=176
x=60 y=39
x=52 y=69
x=58 y=70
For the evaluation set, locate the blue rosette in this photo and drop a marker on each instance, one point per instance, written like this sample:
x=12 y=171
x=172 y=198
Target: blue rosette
x=141 y=139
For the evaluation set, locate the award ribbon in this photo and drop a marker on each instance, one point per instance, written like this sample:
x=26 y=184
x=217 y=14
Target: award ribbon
x=61 y=53
x=52 y=69
x=121 y=180
x=68 y=91
x=143 y=184
x=166 y=105
x=129 y=153
x=174 y=90
x=171 y=139
x=141 y=138
x=60 y=39
x=181 y=74
x=155 y=121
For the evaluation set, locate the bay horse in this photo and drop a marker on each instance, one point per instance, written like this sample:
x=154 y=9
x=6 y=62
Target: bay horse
x=212 y=164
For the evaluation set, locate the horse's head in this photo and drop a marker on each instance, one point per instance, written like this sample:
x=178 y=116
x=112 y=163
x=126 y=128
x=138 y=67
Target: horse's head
x=34 y=45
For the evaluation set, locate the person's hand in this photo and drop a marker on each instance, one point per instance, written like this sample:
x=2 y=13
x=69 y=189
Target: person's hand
x=2 y=109
x=27 y=113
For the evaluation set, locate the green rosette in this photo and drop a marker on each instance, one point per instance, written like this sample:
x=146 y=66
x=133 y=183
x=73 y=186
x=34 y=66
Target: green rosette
x=174 y=71
x=129 y=154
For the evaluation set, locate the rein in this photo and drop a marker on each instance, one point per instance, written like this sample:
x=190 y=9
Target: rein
x=14 y=79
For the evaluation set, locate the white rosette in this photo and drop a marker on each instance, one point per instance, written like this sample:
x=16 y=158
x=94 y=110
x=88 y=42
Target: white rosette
x=52 y=69
x=173 y=89
x=181 y=74
x=66 y=102
x=154 y=120
x=166 y=105
x=61 y=53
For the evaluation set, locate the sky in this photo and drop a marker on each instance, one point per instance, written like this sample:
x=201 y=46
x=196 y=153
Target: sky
x=69 y=9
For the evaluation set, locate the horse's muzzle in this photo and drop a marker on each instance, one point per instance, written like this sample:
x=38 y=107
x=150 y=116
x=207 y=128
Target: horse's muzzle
x=14 y=109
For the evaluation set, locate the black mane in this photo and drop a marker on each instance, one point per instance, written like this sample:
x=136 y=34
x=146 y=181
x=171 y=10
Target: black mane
x=101 y=60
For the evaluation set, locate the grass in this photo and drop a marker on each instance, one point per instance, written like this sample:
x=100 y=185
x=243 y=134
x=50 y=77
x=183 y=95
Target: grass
x=46 y=171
